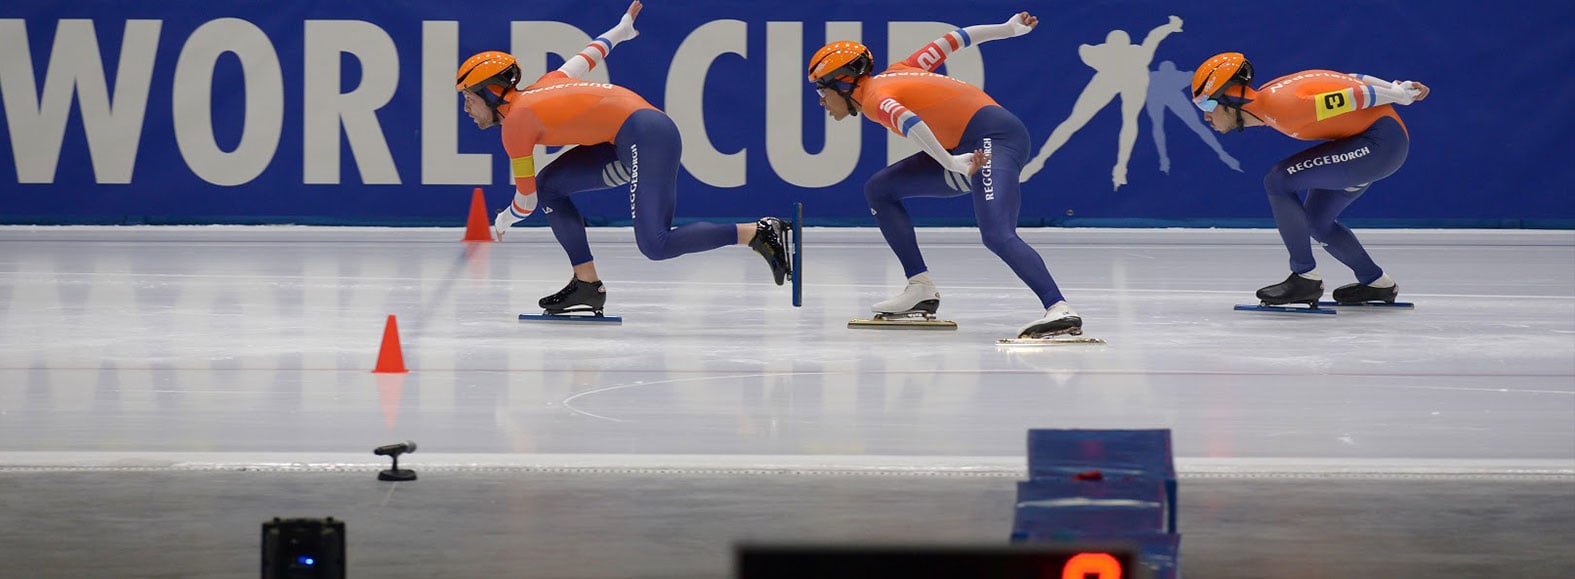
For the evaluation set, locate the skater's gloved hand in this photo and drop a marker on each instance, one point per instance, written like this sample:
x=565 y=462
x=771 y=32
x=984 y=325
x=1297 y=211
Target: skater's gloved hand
x=1022 y=23
x=977 y=161
x=625 y=28
x=1417 y=90
x=518 y=210
x=502 y=222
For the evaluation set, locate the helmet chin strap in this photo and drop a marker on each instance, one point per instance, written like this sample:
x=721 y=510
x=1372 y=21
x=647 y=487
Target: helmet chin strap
x=853 y=107
x=484 y=94
x=1241 y=118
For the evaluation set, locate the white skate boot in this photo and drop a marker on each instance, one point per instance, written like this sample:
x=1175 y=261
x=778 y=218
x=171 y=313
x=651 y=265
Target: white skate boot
x=1058 y=320
x=919 y=300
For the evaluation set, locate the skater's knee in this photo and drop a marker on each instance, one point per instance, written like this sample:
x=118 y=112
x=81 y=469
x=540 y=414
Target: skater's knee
x=1275 y=182
x=1000 y=240
x=653 y=247
x=1323 y=232
x=877 y=192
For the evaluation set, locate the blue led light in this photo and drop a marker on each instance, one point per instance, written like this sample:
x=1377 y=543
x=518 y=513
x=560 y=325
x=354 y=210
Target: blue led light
x=304 y=560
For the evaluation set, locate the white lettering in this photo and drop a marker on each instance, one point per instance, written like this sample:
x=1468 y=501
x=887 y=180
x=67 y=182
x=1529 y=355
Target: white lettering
x=634 y=176
x=1274 y=88
x=601 y=85
x=113 y=125
x=685 y=100
x=193 y=106
x=785 y=126
x=984 y=172
x=1306 y=164
x=326 y=109
x=441 y=161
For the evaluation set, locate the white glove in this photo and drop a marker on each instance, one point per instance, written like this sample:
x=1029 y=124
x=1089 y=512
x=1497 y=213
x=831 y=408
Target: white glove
x=1395 y=93
x=623 y=31
x=1017 y=25
x=1410 y=90
x=959 y=163
x=508 y=217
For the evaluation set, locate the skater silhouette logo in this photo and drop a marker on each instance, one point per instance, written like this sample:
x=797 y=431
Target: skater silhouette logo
x=1121 y=69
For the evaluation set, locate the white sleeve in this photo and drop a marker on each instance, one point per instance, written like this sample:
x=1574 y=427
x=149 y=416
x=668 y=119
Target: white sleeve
x=1389 y=92
x=921 y=135
x=1372 y=80
x=597 y=51
x=933 y=54
x=982 y=33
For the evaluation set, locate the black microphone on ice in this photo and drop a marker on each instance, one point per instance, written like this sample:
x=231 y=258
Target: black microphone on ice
x=393 y=451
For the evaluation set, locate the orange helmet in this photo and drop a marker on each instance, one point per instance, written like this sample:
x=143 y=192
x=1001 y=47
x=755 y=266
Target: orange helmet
x=838 y=67
x=840 y=62
x=490 y=75
x=1216 y=74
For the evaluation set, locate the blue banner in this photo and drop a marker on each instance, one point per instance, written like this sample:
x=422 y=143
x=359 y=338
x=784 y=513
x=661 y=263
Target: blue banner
x=345 y=113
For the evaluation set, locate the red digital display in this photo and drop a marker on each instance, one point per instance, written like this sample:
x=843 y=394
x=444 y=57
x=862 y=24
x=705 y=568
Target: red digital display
x=1091 y=566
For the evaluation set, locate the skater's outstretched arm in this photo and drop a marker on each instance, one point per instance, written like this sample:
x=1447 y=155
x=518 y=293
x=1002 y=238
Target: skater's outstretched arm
x=597 y=50
x=902 y=121
x=1386 y=92
x=1151 y=41
x=933 y=54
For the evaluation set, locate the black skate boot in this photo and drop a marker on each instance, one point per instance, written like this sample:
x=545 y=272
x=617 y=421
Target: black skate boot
x=578 y=296
x=1294 y=290
x=771 y=241
x=1059 y=320
x=1357 y=293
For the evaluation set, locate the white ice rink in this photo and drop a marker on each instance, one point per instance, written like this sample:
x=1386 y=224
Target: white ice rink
x=221 y=347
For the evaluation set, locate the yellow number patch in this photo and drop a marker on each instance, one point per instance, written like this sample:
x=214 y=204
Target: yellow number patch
x=526 y=166
x=1331 y=104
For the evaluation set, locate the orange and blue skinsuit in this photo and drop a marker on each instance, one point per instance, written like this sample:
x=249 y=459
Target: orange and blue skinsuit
x=949 y=119
x=622 y=140
x=1366 y=142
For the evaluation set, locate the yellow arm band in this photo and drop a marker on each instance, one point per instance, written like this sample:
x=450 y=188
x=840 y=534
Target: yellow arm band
x=524 y=167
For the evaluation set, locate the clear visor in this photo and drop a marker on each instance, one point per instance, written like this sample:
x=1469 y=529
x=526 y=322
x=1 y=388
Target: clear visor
x=828 y=87
x=1205 y=104
x=487 y=93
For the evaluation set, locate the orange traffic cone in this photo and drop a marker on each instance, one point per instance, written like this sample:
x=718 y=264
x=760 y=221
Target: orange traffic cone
x=478 y=227
x=390 y=360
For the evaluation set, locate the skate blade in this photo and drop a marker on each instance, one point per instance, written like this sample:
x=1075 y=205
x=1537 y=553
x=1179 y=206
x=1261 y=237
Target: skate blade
x=1394 y=305
x=1053 y=341
x=903 y=324
x=1283 y=309
x=585 y=318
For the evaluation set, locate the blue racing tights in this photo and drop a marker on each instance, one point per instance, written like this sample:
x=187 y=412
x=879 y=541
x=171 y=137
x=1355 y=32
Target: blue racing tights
x=997 y=198
x=645 y=156
x=1333 y=174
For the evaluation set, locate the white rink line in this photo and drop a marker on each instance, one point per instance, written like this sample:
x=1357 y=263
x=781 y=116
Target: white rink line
x=321 y=281
x=680 y=464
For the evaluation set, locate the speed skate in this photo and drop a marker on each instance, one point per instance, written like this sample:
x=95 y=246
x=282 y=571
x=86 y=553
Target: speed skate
x=1061 y=335
x=1049 y=341
x=913 y=309
x=1373 y=305
x=1060 y=325
x=914 y=320
x=1284 y=309
x=573 y=317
